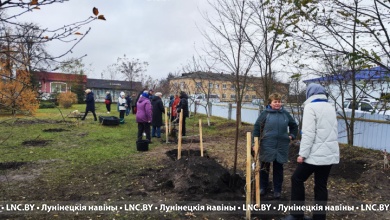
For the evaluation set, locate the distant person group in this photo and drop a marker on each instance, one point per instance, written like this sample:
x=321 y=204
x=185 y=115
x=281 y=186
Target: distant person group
x=148 y=108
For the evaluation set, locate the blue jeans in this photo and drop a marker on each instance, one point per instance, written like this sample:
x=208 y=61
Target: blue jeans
x=156 y=131
x=301 y=174
x=277 y=178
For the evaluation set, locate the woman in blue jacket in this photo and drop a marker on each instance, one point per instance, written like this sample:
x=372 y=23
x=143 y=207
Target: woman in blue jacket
x=271 y=128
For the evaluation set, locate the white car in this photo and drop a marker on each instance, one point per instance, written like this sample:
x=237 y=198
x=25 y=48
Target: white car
x=199 y=98
x=364 y=106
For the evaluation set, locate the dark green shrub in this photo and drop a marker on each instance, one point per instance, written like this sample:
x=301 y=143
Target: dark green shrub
x=47 y=105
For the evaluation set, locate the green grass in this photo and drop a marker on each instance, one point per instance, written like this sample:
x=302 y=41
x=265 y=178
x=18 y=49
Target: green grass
x=83 y=143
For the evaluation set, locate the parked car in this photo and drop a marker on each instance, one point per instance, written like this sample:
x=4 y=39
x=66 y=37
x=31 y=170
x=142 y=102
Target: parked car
x=198 y=98
x=365 y=106
x=257 y=102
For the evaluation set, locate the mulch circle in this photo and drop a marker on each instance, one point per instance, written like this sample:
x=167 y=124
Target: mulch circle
x=54 y=130
x=11 y=165
x=36 y=143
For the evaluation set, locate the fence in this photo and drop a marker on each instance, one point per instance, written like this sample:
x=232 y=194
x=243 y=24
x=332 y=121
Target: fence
x=371 y=130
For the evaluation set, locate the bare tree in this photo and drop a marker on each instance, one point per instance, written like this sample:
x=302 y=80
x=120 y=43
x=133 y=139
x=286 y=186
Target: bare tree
x=226 y=43
x=112 y=71
x=201 y=72
x=132 y=69
x=352 y=30
x=268 y=43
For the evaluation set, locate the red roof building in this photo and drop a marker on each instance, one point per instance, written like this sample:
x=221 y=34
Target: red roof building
x=50 y=82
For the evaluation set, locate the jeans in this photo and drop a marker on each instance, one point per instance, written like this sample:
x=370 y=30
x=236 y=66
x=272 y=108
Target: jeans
x=156 y=131
x=301 y=174
x=277 y=175
x=143 y=127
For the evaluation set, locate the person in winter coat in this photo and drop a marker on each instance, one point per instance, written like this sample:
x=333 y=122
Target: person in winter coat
x=144 y=116
x=133 y=103
x=176 y=102
x=183 y=106
x=90 y=100
x=158 y=110
x=108 y=101
x=122 y=105
x=171 y=99
x=151 y=94
x=319 y=149
x=128 y=102
x=271 y=128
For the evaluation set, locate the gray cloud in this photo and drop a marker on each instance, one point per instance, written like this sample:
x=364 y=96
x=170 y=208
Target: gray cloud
x=161 y=32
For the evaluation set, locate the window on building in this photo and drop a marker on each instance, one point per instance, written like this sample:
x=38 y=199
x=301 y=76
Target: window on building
x=210 y=85
x=217 y=86
x=254 y=97
x=57 y=87
x=246 y=97
x=233 y=96
x=223 y=86
x=224 y=96
x=198 y=84
x=233 y=87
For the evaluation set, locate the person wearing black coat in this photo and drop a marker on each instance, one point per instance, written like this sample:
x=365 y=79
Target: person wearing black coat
x=158 y=110
x=90 y=100
x=183 y=106
x=128 y=102
x=108 y=101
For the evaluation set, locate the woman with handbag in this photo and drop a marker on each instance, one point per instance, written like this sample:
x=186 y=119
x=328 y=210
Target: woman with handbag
x=108 y=101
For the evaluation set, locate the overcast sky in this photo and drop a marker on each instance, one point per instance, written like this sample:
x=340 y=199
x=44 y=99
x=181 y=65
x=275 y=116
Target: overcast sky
x=162 y=32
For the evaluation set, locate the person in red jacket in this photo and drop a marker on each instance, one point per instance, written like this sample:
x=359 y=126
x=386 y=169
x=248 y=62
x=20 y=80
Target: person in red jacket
x=176 y=101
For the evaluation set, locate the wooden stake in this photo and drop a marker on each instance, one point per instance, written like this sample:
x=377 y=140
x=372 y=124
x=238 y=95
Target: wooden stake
x=170 y=120
x=166 y=125
x=200 y=137
x=257 y=171
x=248 y=175
x=179 y=135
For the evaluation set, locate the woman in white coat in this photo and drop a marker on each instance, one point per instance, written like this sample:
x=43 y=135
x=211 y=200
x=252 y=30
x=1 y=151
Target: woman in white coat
x=319 y=149
x=122 y=105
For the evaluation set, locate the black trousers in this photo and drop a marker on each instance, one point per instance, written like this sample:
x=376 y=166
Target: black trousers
x=122 y=113
x=108 y=107
x=183 y=127
x=277 y=175
x=86 y=113
x=143 y=127
x=301 y=174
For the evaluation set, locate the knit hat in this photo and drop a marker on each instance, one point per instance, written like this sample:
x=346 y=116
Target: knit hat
x=145 y=94
x=122 y=94
x=158 y=94
x=87 y=91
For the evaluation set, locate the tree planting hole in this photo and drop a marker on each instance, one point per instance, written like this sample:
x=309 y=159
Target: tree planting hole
x=11 y=165
x=185 y=153
x=36 y=143
x=54 y=130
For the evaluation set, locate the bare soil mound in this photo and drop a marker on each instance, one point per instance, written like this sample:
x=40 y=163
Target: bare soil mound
x=197 y=177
